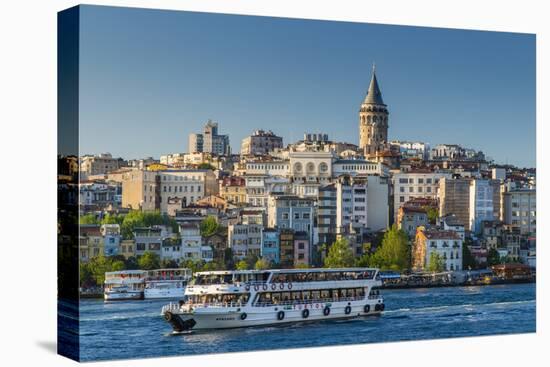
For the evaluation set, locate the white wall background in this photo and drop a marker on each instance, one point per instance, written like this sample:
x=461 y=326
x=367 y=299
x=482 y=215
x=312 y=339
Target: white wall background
x=28 y=201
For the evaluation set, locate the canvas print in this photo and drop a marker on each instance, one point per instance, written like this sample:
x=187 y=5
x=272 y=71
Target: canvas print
x=235 y=183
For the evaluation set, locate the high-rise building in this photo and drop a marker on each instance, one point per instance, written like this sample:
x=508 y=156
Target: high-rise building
x=209 y=141
x=373 y=121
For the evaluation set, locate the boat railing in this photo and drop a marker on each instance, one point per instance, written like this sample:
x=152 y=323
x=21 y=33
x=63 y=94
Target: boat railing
x=309 y=301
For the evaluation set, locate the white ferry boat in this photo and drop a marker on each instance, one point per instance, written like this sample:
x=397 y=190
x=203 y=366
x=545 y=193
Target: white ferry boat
x=166 y=283
x=230 y=299
x=124 y=285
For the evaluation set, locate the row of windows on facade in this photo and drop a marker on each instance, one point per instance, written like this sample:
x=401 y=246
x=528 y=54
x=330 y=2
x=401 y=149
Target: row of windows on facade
x=268 y=166
x=358 y=167
x=418 y=189
x=285 y=216
x=523 y=213
x=420 y=181
x=181 y=178
x=191 y=199
x=445 y=244
x=451 y=256
x=181 y=188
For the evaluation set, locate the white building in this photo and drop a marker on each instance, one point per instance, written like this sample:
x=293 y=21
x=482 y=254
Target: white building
x=415 y=184
x=192 y=247
x=259 y=186
x=446 y=244
x=356 y=167
x=351 y=204
x=111 y=238
x=313 y=167
x=245 y=239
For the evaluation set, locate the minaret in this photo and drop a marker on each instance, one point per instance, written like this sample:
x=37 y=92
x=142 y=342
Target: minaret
x=373 y=120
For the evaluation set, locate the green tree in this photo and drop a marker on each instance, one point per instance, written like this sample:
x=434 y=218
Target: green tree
x=436 y=263
x=262 y=264
x=229 y=259
x=433 y=214
x=493 y=257
x=302 y=266
x=149 y=261
x=86 y=276
x=131 y=263
x=118 y=265
x=137 y=218
x=88 y=219
x=209 y=226
x=205 y=165
x=99 y=265
x=339 y=255
x=394 y=252
x=242 y=265
x=113 y=219
x=169 y=264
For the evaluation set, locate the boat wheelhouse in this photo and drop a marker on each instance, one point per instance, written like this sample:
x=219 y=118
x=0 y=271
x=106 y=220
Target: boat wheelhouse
x=124 y=285
x=166 y=283
x=229 y=299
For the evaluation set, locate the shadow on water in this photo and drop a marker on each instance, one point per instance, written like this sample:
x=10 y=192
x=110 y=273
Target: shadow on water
x=48 y=345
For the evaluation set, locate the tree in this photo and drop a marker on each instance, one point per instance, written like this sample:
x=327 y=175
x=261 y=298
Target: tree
x=262 y=264
x=302 y=266
x=493 y=257
x=229 y=259
x=436 y=263
x=432 y=213
x=242 y=265
x=394 y=253
x=339 y=255
x=169 y=264
x=136 y=218
x=209 y=226
x=205 y=165
x=149 y=261
x=88 y=219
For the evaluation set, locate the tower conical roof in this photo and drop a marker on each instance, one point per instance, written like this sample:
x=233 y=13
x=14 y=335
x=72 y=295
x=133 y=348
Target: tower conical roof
x=374 y=96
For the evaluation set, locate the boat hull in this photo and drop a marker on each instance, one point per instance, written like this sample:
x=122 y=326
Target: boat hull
x=123 y=296
x=156 y=293
x=212 y=318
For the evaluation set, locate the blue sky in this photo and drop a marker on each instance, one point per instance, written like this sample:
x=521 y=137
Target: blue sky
x=151 y=77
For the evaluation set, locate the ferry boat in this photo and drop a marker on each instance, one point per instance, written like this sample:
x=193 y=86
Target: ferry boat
x=166 y=283
x=231 y=299
x=124 y=285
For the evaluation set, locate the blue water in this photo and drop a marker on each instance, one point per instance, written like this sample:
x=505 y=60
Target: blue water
x=136 y=330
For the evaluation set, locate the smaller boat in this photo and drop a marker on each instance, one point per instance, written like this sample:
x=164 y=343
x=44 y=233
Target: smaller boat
x=166 y=283
x=124 y=285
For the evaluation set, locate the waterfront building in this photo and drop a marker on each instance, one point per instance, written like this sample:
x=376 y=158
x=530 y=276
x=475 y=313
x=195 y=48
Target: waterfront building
x=292 y=212
x=111 y=239
x=127 y=248
x=99 y=164
x=150 y=239
x=326 y=214
x=301 y=249
x=259 y=187
x=233 y=189
x=446 y=244
x=351 y=203
x=373 y=121
x=218 y=243
x=245 y=239
x=271 y=245
x=286 y=247
x=140 y=190
x=409 y=218
x=415 y=184
x=520 y=210
x=261 y=142
x=451 y=222
x=192 y=247
x=209 y=141
x=90 y=242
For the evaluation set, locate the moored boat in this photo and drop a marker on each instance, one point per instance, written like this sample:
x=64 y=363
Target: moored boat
x=166 y=283
x=124 y=285
x=231 y=299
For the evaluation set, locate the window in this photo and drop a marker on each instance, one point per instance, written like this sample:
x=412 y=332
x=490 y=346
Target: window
x=296 y=215
x=285 y=216
x=401 y=189
x=306 y=216
x=401 y=199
